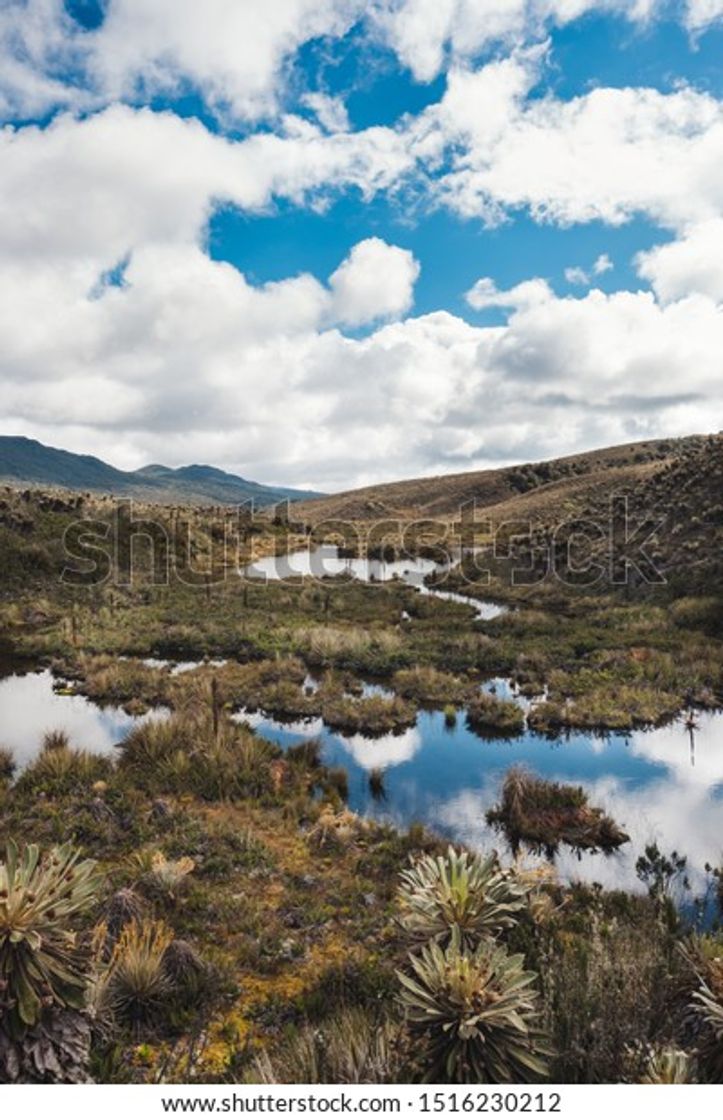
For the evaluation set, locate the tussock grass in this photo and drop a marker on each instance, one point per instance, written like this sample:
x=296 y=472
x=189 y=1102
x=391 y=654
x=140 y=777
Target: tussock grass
x=186 y=754
x=432 y=687
x=60 y=769
x=543 y=815
x=488 y=714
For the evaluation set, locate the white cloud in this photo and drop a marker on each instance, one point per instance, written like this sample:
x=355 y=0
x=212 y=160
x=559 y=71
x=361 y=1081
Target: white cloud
x=239 y=53
x=693 y=263
x=576 y=275
x=487 y=148
x=330 y=112
x=199 y=365
x=702 y=13
x=426 y=34
x=375 y=281
x=91 y=190
x=580 y=276
x=189 y=360
x=233 y=53
x=485 y=294
x=606 y=155
x=37 y=43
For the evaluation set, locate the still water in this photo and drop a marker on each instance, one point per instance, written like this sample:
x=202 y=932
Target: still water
x=325 y=561
x=661 y=785
x=30 y=706
x=658 y=785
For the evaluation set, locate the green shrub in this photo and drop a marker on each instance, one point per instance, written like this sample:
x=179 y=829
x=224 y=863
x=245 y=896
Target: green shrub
x=40 y=964
x=544 y=814
x=60 y=769
x=473 y=1016
x=458 y=894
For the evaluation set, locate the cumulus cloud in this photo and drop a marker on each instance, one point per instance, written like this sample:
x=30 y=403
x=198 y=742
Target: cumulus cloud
x=189 y=361
x=93 y=189
x=703 y=13
x=233 y=53
x=427 y=34
x=375 y=281
x=238 y=55
x=186 y=359
x=485 y=149
x=607 y=155
x=693 y=263
x=122 y=337
x=485 y=294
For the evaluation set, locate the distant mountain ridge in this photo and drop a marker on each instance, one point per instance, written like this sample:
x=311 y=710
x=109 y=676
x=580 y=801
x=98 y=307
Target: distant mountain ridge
x=28 y=462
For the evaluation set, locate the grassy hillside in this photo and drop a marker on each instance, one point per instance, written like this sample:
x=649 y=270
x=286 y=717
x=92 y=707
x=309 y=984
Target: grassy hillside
x=443 y=495
x=30 y=463
x=682 y=503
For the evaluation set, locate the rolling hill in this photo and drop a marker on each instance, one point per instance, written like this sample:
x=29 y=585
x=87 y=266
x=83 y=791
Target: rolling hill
x=26 y=462
x=532 y=490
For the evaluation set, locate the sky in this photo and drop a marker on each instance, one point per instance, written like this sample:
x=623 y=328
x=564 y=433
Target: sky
x=327 y=243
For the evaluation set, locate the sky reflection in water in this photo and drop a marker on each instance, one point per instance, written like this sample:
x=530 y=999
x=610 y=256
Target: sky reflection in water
x=448 y=778
x=649 y=781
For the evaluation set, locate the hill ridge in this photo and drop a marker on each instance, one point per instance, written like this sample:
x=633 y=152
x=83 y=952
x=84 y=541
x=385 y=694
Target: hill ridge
x=28 y=462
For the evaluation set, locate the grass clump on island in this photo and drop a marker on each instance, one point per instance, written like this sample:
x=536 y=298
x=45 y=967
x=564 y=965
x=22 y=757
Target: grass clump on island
x=488 y=714
x=432 y=687
x=543 y=814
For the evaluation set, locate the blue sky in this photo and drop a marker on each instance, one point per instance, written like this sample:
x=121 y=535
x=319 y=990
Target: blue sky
x=331 y=243
x=593 y=51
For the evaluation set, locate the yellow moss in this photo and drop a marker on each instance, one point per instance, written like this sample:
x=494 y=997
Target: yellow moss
x=226 y=1036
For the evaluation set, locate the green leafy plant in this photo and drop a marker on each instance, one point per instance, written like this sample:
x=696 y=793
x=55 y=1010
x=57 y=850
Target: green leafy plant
x=40 y=964
x=458 y=893
x=668 y=1066
x=474 y=1015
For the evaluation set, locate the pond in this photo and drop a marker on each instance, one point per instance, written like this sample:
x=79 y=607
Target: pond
x=30 y=705
x=325 y=561
x=658 y=785
x=662 y=785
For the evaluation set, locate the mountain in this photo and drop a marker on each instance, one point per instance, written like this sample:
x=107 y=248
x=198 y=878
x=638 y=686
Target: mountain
x=532 y=490
x=27 y=462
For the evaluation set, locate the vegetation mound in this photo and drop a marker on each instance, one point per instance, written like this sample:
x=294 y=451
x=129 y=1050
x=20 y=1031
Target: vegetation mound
x=544 y=814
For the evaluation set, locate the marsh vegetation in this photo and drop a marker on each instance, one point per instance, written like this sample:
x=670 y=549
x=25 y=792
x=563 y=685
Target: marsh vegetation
x=195 y=898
